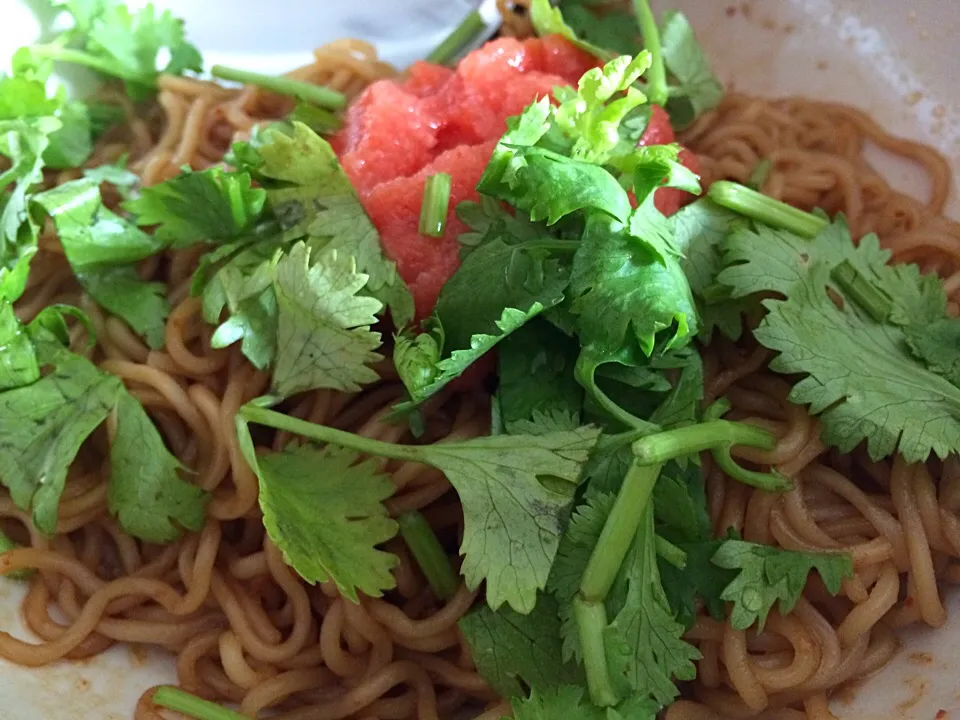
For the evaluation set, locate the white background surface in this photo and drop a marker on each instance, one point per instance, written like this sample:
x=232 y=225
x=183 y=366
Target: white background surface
x=897 y=60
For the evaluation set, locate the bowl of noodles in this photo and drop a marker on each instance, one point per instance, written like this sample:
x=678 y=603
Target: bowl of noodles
x=549 y=360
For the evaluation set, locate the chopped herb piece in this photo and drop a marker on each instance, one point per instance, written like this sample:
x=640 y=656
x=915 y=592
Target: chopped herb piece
x=436 y=201
x=307 y=92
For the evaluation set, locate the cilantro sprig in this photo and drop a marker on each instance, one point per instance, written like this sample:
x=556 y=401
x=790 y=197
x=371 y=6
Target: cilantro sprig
x=504 y=477
x=114 y=41
x=53 y=400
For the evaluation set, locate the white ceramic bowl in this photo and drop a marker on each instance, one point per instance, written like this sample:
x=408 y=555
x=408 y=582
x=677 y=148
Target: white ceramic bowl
x=896 y=60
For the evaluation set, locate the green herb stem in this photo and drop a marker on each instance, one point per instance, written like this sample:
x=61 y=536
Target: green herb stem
x=679 y=442
x=585 y=372
x=618 y=531
x=656 y=89
x=671 y=553
x=772 y=481
x=429 y=554
x=864 y=293
x=183 y=702
x=591 y=619
x=308 y=92
x=759 y=207
x=7 y=544
x=435 y=204
x=59 y=53
x=462 y=35
x=323 y=434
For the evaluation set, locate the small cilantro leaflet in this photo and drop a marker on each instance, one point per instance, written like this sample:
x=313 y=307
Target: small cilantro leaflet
x=323 y=508
x=146 y=492
x=42 y=426
x=768 y=575
x=576 y=546
x=699 y=232
x=310 y=194
x=194 y=207
x=501 y=477
x=45 y=423
x=859 y=374
x=621 y=290
x=644 y=642
x=698 y=89
x=938 y=346
x=423 y=381
x=536 y=375
x=323 y=325
x=513 y=650
x=101 y=248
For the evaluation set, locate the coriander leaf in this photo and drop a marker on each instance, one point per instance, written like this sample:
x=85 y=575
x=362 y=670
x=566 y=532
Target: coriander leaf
x=680 y=504
x=109 y=38
x=72 y=144
x=18 y=358
x=101 y=247
x=325 y=512
x=146 y=493
x=591 y=116
x=512 y=651
x=523 y=131
x=410 y=357
x=92 y=235
x=576 y=546
x=644 y=642
x=513 y=520
x=117 y=176
x=512 y=275
x=210 y=205
x=489 y=220
x=13 y=281
x=22 y=96
x=515 y=490
x=566 y=702
x=622 y=291
x=917 y=298
x=545 y=422
x=416 y=358
x=859 y=375
x=549 y=186
x=768 y=574
x=938 y=346
x=323 y=326
x=42 y=426
x=23 y=142
x=699 y=231
x=244 y=287
x=536 y=375
x=699 y=582
x=698 y=88
x=657 y=166
x=142 y=305
x=607 y=467
x=548 y=20
x=614 y=30
x=309 y=193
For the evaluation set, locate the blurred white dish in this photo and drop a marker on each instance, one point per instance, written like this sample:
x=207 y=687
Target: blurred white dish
x=895 y=60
